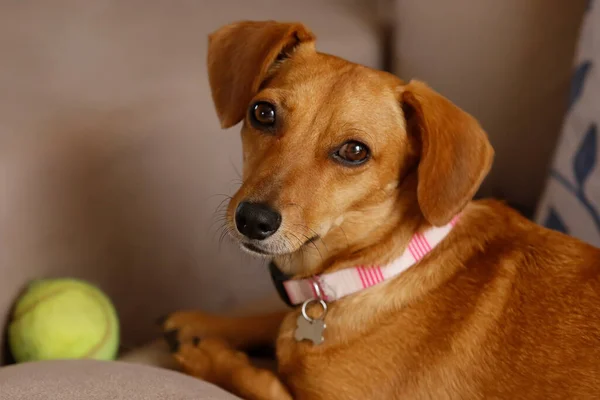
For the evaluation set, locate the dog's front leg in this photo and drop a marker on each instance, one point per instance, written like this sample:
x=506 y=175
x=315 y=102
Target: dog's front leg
x=216 y=361
x=239 y=332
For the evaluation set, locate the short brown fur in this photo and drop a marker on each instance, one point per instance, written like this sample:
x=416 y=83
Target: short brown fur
x=501 y=309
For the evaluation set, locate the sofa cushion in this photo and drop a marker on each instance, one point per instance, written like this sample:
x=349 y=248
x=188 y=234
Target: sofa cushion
x=112 y=157
x=89 y=380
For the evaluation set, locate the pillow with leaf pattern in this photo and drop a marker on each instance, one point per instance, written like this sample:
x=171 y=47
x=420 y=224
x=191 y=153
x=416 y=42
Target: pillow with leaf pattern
x=571 y=201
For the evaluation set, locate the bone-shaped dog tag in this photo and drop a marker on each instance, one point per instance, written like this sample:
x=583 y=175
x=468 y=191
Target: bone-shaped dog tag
x=309 y=330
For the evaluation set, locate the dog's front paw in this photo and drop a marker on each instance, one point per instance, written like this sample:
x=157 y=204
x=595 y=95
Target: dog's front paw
x=208 y=358
x=185 y=327
x=215 y=361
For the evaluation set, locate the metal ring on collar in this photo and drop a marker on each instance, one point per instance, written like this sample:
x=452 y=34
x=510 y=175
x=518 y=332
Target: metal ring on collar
x=321 y=302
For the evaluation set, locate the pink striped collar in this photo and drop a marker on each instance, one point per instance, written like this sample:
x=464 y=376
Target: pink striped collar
x=338 y=284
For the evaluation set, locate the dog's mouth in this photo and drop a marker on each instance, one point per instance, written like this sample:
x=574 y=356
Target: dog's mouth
x=255 y=249
x=260 y=250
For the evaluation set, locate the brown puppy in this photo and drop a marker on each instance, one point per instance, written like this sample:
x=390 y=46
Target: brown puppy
x=342 y=165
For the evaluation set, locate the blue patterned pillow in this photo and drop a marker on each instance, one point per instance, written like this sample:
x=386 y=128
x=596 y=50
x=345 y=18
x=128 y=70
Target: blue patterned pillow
x=571 y=201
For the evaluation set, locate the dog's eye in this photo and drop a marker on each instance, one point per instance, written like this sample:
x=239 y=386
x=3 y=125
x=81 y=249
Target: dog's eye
x=262 y=114
x=352 y=153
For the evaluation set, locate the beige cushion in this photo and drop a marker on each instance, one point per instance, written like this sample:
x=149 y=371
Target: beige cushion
x=111 y=155
x=89 y=380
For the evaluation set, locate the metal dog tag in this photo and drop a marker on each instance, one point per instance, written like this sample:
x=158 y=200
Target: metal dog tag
x=308 y=328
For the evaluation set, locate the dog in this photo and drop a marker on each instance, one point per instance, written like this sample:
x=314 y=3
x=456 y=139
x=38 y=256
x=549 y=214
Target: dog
x=359 y=187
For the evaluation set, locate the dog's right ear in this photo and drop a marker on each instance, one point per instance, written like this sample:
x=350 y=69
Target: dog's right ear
x=240 y=56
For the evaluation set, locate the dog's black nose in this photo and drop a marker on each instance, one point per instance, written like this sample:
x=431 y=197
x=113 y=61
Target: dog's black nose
x=256 y=221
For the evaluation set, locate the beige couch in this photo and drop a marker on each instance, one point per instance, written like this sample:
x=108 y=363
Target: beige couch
x=112 y=162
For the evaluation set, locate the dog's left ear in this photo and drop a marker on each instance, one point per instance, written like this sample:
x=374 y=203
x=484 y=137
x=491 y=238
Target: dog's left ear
x=240 y=57
x=455 y=152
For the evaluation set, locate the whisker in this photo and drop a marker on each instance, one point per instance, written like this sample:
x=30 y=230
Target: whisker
x=222 y=203
x=219 y=230
x=226 y=232
x=308 y=228
x=346 y=236
x=219 y=219
x=216 y=195
x=290 y=256
x=302 y=247
x=315 y=246
x=237 y=172
x=315 y=236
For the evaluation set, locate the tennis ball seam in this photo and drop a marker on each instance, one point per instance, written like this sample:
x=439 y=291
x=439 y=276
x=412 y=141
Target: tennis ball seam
x=107 y=319
x=52 y=293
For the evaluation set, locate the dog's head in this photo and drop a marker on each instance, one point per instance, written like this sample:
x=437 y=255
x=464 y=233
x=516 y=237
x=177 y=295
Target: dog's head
x=334 y=149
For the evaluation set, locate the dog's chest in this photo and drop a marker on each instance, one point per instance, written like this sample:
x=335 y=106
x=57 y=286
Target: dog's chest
x=398 y=355
x=334 y=376
x=373 y=365
x=362 y=372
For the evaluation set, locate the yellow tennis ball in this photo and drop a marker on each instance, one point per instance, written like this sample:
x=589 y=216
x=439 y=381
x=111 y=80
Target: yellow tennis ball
x=63 y=319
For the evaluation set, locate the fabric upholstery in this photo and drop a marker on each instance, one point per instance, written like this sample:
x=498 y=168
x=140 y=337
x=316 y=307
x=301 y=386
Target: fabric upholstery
x=97 y=380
